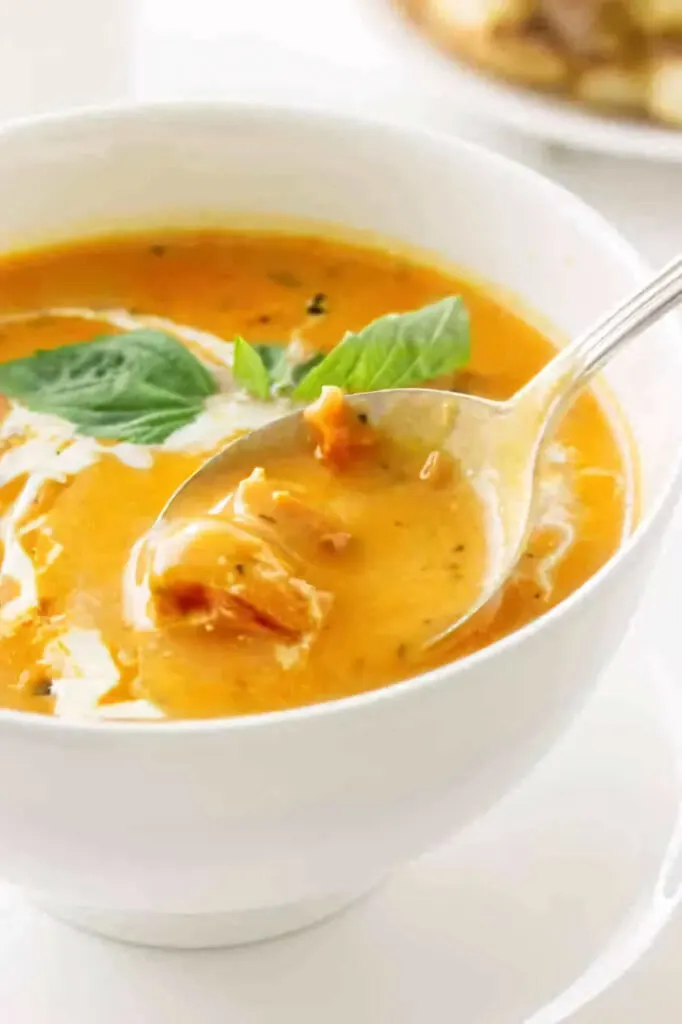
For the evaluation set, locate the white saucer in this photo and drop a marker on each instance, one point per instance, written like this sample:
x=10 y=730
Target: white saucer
x=561 y=882
x=531 y=113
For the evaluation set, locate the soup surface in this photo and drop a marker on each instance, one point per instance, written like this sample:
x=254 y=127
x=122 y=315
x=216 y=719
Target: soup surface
x=346 y=569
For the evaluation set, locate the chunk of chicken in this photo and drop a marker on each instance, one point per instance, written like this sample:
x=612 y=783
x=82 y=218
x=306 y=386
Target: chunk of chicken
x=209 y=572
x=296 y=524
x=340 y=434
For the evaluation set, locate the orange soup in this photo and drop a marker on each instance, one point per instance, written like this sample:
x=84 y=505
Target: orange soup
x=128 y=361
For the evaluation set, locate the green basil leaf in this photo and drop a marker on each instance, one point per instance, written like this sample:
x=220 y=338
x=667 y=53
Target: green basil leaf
x=250 y=370
x=395 y=351
x=265 y=369
x=139 y=386
x=284 y=373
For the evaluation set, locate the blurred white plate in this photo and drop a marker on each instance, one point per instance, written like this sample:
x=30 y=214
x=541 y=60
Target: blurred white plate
x=531 y=113
x=572 y=877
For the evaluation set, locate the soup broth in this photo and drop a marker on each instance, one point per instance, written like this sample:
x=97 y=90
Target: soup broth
x=76 y=635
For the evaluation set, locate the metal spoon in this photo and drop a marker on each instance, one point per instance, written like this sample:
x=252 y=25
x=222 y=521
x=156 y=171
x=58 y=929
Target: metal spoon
x=496 y=443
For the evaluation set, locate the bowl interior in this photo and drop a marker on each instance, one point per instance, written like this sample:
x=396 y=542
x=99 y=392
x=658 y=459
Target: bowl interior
x=190 y=165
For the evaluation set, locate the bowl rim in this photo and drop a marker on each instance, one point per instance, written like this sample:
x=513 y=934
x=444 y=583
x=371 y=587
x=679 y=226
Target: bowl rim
x=190 y=110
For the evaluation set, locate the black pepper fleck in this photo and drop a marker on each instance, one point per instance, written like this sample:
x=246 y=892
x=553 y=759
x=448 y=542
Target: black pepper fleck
x=266 y=519
x=401 y=650
x=42 y=687
x=158 y=250
x=240 y=569
x=317 y=305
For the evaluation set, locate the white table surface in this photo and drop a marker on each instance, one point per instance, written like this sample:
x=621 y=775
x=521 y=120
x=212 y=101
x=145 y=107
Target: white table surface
x=59 y=53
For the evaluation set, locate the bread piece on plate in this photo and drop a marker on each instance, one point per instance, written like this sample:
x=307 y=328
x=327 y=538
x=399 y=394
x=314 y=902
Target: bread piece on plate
x=497 y=35
x=665 y=87
x=470 y=15
x=657 y=17
x=613 y=88
x=527 y=59
x=588 y=28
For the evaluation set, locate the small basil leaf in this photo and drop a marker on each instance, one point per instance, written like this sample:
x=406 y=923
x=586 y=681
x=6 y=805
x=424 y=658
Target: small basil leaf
x=250 y=369
x=283 y=374
x=394 y=351
x=139 y=386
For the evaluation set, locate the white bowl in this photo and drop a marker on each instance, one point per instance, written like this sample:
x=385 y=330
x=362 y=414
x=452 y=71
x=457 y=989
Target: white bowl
x=231 y=830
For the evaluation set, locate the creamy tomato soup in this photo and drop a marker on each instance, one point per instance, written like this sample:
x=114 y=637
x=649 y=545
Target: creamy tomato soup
x=296 y=582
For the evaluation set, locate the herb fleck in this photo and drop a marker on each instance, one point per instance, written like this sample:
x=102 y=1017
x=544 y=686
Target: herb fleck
x=317 y=305
x=158 y=250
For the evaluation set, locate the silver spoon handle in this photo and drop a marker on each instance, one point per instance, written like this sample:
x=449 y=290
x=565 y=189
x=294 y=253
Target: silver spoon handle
x=662 y=293
x=574 y=365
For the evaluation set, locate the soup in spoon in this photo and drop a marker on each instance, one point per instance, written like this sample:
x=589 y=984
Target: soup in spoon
x=334 y=596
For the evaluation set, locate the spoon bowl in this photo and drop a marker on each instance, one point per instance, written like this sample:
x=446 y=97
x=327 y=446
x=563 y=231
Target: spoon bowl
x=497 y=445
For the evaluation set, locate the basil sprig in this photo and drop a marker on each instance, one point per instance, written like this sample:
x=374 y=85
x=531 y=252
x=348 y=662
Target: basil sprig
x=143 y=385
x=394 y=351
x=266 y=371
